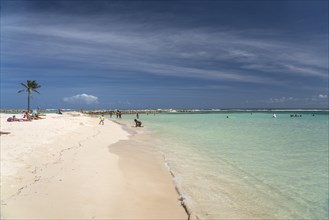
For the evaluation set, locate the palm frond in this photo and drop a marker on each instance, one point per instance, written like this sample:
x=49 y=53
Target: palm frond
x=32 y=84
x=24 y=85
x=29 y=87
x=36 y=90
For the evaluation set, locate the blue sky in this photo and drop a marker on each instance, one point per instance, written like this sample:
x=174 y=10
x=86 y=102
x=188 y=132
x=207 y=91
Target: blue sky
x=165 y=54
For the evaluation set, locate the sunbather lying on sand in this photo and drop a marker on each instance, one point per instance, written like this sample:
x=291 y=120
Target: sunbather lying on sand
x=36 y=116
x=4 y=132
x=14 y=119
x=27 y=115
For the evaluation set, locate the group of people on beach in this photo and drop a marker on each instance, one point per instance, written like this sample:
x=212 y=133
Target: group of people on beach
x=27 y=116
x=118 y=114
x=138 y=123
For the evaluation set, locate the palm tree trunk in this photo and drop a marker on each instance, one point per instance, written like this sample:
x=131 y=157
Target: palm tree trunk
x=28 y=101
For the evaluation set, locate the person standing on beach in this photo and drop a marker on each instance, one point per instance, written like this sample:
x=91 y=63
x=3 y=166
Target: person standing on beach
x=101 y=118
x=137 y=115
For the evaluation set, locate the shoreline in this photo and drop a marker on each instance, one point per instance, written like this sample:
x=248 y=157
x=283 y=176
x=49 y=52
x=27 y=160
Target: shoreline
x=72 y=174
x=143 y=135
x=125 y=124
x=167 y=111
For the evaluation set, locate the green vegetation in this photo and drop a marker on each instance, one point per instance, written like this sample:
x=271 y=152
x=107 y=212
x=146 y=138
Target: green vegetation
x=30 y=87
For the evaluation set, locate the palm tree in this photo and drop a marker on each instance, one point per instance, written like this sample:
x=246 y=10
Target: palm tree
x=30 y=87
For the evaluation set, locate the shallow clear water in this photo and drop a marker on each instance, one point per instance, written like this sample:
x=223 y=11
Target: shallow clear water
x=247 y=165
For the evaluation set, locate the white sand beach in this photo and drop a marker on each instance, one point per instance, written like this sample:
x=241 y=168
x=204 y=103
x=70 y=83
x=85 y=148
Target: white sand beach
x=70 y=167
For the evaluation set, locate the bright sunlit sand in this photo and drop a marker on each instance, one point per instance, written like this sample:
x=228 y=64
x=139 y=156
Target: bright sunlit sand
x=61 y=167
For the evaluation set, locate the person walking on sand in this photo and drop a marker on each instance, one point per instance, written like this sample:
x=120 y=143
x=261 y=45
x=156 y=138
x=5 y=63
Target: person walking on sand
x=101 y=118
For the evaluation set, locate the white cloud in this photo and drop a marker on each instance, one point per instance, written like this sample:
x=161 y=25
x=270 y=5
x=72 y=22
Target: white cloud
x=315 y=98
x=306 y=71
x=240 y=53
x=135 y=47
x=282 y=99
x=82 y=98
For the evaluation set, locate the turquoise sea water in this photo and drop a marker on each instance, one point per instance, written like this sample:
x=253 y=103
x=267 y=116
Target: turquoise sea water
x=249 y=165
